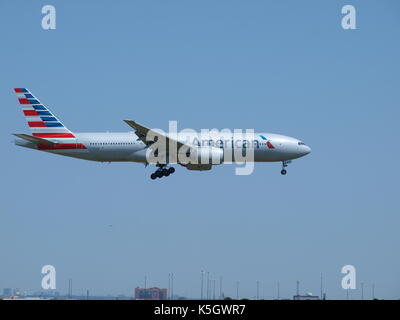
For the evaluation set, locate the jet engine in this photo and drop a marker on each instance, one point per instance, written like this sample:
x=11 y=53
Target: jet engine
x=202 y=158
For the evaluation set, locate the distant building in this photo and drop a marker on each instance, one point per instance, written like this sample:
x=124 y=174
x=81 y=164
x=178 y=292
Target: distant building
x=150 y=293
x=7 y=292
x=17 y=292
x=308 y=296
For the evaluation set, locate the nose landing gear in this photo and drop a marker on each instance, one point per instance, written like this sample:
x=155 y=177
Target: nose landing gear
x=162 y=171
x=284 y=165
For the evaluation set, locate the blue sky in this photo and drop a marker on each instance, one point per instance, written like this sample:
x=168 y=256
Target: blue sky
x=276 y=66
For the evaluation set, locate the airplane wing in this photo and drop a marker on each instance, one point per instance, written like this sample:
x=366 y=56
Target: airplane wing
x=33 y=139
x=141 y=131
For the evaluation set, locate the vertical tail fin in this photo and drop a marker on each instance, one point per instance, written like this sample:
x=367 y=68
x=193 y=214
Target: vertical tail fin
x=40 y=120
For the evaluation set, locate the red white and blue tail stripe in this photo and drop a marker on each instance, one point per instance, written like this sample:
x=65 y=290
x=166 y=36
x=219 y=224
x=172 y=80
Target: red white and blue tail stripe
x=41 y=121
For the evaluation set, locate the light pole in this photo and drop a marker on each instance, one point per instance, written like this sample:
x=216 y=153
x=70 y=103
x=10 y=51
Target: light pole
x=202 y=276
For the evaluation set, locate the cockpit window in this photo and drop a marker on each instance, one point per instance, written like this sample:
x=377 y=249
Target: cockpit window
x=301 y=143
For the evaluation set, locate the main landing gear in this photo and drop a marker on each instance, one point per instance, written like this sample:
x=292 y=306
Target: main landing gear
x=284 y=165
x=162 y=171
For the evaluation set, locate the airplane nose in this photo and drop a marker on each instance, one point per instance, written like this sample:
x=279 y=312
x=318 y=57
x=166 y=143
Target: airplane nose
x=306 y=150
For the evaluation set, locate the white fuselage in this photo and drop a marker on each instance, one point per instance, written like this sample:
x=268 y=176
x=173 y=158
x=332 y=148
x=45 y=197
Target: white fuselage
x=112 y=147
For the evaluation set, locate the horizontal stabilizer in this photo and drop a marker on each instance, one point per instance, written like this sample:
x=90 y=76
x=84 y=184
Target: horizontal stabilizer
x=33 y=139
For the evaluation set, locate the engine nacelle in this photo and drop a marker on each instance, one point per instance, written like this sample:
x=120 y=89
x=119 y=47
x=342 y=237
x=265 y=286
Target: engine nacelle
x=207 y=155
x=198 y=167
x=202 y=158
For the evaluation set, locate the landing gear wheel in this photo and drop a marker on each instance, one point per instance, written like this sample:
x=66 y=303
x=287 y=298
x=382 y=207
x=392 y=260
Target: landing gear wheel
x=162 y=171
x=284 y=165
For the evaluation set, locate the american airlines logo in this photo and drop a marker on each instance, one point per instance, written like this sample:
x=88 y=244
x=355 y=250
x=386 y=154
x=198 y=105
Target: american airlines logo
x=267 y=143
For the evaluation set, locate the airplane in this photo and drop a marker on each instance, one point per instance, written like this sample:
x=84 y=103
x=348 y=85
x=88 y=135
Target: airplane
x=50 y=135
